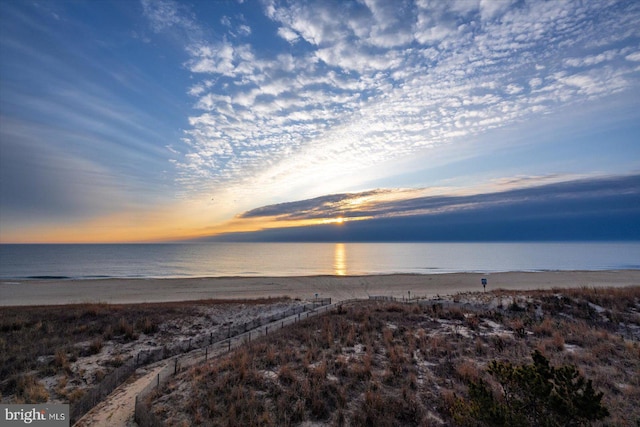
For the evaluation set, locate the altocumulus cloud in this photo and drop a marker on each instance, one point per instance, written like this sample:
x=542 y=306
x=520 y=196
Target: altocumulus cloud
x=593 y=208
x=355 y=84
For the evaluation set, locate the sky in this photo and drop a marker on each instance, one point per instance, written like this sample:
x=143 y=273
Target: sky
x=162 y=120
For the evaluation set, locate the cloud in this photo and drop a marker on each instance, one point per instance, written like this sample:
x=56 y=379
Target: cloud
x=369 y=82
x=403 y=202
x=592 y=59
x=320 y=207
x=489 y=9
x=586 y=209
x=165 y=15
x=288 y=34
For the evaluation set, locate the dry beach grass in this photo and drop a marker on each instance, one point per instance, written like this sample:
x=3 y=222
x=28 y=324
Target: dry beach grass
x=387 y=363
x=53 y=353
x=346 y=368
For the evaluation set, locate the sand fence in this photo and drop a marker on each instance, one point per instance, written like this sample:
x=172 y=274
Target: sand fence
x=143 y=415
x=193 y=350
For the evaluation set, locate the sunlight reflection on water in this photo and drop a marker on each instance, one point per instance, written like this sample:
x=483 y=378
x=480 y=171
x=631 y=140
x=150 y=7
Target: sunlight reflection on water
x=340 y=260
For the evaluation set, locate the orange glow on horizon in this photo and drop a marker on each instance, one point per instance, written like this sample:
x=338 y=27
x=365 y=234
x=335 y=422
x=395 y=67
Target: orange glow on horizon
x=152 y=228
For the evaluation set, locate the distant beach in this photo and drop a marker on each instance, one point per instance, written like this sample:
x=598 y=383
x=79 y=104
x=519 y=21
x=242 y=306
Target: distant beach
x=54 y=291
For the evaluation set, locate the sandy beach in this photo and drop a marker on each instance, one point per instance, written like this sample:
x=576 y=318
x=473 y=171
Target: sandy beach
x=53 y=292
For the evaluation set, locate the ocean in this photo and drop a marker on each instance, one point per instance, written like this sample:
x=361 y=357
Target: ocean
x=305 y=259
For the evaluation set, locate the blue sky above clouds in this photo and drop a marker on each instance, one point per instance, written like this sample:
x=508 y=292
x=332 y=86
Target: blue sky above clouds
x=158 y=119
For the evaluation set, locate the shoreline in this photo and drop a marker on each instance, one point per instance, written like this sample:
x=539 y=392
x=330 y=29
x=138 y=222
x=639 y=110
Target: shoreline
x=56 y=279
x=150 y=290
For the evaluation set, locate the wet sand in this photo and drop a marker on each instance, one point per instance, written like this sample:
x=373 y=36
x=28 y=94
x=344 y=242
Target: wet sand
x=53 y=292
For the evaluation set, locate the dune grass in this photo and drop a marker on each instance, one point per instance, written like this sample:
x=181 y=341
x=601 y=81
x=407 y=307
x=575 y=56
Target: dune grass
x=44 y=341
x=389 y=364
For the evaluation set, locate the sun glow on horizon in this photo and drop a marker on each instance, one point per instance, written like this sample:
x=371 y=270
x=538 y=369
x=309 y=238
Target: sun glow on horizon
x=339 y=220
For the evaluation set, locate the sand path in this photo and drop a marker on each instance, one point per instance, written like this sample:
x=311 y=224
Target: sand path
x=117 y=409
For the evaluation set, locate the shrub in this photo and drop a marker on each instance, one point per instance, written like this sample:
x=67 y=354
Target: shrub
x=147 y=326
x=467 y=371
x=531 y=395
x=61 y=361
x=126 y=329
x=96 y=345
x=544 y=328
x=30 y=390
x=518 y=328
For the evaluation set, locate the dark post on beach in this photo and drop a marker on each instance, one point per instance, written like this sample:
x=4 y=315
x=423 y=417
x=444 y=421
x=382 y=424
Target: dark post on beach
x=484 y=284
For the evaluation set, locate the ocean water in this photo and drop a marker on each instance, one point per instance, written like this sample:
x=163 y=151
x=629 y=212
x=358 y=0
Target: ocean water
x=305 y=259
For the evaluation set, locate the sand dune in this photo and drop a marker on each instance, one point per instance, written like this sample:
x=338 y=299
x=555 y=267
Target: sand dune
x=49 y=292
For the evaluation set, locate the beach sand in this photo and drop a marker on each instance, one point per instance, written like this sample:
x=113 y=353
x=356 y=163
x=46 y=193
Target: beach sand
x=54 y=292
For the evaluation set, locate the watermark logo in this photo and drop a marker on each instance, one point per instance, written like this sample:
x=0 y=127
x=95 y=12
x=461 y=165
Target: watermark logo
x=46 y=415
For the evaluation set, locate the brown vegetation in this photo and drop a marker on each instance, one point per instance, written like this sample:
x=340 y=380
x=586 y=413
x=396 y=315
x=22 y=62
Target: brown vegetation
x=50 y=342
x=383 y=364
